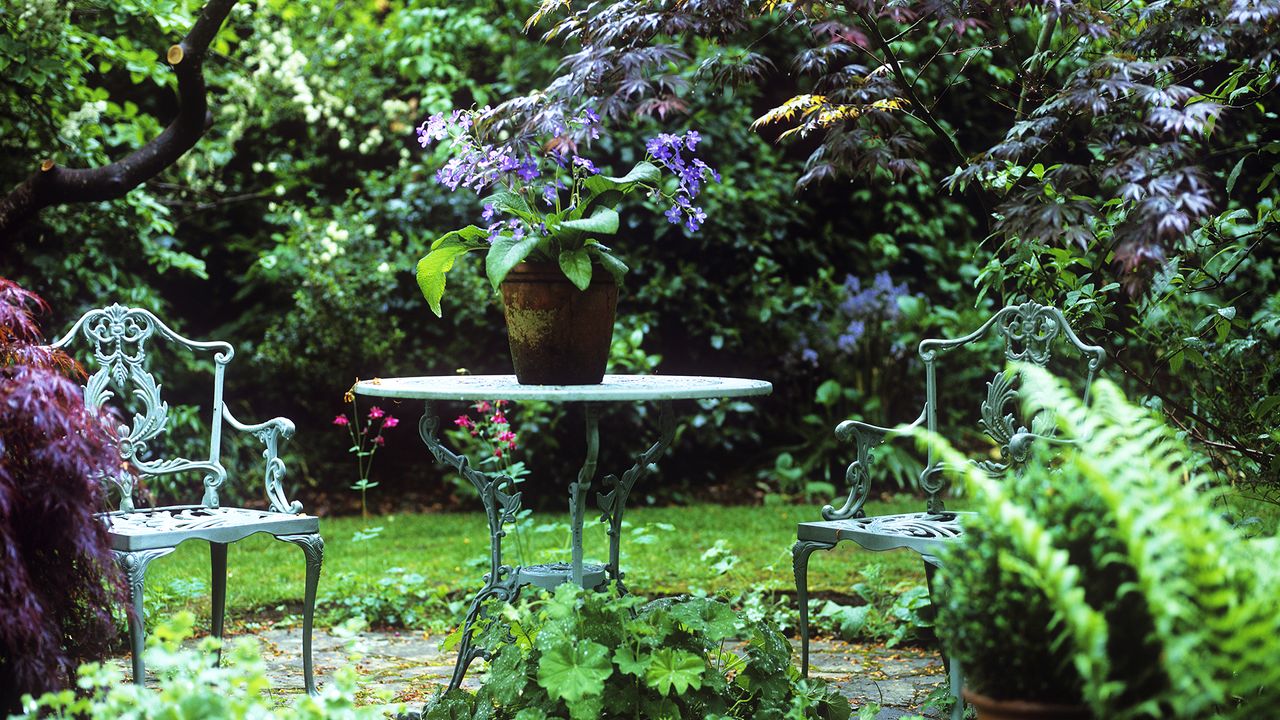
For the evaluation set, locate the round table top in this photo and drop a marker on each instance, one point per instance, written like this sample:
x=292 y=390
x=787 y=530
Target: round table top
x=614 y=387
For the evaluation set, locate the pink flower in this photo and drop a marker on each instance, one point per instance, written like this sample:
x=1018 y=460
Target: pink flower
x=498 y=419
x=483 y=406
x=390 y=422
x=500 y=403
x=497 y=452
x=341 y=420
x=511 y=445
x=375 y=412
x=379 y=440
x=464 y=421
x=506 y=436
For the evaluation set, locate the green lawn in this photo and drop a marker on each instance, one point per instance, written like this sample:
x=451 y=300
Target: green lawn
x=450 y=549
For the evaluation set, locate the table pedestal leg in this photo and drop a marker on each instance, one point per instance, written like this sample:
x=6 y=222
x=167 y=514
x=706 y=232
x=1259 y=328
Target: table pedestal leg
x=501 y=503
x=613 y=500
x=579 y=488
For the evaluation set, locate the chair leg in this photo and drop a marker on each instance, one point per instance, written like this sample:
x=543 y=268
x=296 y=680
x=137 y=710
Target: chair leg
x=313 y=547
x=218 y=585
x=954 y=676
x=800 y=553
x=134 y=565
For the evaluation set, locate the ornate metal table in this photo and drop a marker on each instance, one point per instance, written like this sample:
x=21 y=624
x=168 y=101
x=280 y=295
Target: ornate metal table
x=502 y=501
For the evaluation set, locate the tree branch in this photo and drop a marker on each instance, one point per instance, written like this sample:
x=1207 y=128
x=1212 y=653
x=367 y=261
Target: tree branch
x=1229 y=442
x=1036 y=70
x=895 y=66
x=53 y=185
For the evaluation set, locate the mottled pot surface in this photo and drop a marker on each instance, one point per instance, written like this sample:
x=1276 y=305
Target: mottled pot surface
x=558 y=334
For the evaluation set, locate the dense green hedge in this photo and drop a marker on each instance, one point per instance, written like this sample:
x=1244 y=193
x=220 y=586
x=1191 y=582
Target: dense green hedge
x=291 y=229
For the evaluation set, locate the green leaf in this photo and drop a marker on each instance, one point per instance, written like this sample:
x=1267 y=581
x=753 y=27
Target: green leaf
x=505 y=201
x=608 y=261
x=576 y=265
x=506 y=253
x=671 y=668
x=431 y=271
x=707 y=618
x=643 y=172
x=604 y=221
x=572 y=671
x=471 y=237
x=1235 y=174
x=828 y=393
x=629 y=663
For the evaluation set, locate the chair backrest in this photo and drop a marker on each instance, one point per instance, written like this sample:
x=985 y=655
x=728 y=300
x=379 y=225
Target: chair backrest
x=120 y=369
x=1027 y=333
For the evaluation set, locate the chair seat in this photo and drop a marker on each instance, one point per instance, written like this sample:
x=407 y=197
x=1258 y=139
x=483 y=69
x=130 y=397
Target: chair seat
x=922 y=532
x=167 y=526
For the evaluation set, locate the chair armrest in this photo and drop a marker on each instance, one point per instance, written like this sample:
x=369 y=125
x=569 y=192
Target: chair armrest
x=865 y=436
x=270 y=433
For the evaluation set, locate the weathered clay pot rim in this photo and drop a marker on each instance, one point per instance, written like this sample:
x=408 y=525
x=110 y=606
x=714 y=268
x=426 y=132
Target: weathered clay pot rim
x=1038 y=709
x=547 y=271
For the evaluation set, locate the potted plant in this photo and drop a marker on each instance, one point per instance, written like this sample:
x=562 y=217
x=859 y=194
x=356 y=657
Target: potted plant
x=545 y=216
x=586 y=655
x=1101 y=577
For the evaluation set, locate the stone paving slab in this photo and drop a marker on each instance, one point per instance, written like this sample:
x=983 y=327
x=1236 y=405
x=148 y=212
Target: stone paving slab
x=407 y=667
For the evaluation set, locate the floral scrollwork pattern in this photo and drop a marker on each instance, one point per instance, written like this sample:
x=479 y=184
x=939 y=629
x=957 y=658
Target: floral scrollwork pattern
x=1028 y=332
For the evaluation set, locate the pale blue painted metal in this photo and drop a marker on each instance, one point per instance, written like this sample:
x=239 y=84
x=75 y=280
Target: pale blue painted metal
x=119 y=337
x=501 y=500
x=1027 y=332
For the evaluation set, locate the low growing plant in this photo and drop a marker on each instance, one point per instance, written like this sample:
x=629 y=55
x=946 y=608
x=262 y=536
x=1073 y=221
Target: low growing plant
x=399 y=598
x=1103 y=574
x=587 y=655
x=188 y=686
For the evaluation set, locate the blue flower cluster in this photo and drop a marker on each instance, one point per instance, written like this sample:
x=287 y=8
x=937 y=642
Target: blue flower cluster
x=675 y=153
x=872 y=304
x=475 y=165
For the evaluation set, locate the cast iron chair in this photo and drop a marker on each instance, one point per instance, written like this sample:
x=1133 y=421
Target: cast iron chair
x=139 y=535
x=1027 y=332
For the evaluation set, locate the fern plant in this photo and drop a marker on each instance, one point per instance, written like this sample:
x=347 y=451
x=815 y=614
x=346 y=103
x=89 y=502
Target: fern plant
x=1102 y=574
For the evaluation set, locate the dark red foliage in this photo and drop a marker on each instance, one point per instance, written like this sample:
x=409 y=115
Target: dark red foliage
x=58 y=580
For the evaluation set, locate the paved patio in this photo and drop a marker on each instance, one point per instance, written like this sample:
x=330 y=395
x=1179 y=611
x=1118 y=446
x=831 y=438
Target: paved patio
x=406 y=667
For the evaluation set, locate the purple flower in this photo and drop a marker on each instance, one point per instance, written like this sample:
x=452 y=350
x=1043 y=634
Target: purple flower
x=591 y=122
x=696 y=216
x=435 y=128
x=528 y=169
x=852 y=334
x=549 y=194
x=674 y=215
x=495 y=230
x=705 y=168
x=691 y=139
x=517 y=233
x=487 y=215
x=810 y=356
x=585 y=164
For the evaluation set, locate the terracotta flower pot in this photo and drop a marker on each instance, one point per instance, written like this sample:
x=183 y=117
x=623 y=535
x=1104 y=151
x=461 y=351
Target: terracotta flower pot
x=991 y=709
x=559 y=335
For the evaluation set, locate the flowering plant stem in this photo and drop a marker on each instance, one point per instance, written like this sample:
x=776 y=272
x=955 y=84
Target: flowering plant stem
x=366 y=438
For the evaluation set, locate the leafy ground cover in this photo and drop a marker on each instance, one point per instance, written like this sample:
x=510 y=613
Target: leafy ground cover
x=735 y=551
